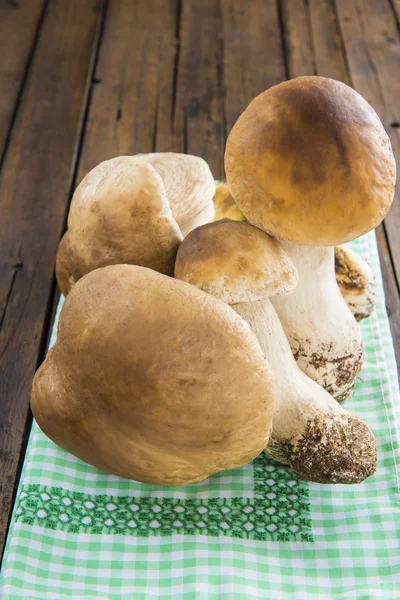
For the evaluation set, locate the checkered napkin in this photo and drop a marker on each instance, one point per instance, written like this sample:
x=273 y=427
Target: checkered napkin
x=255 y=532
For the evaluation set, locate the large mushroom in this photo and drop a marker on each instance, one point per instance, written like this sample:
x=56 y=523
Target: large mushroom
x=153 y=380
x=309 y=162
x=134 y=210
x=243 y=266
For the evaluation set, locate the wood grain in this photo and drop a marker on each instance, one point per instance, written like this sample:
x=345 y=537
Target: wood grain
x=313 y=40
x=34 y=192
x=199 y=108
x=253 y=52
x=159 y=83
x=298 y=38
x=19 y=22
x=329 y=53
x=391 y=290
x=135 y=74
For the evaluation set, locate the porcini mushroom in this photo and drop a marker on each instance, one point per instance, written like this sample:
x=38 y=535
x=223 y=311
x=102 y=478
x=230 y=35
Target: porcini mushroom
x=353 y=274
x=153 y=380
x=189 y=185
x=311 y=432
x=356 y=282
x=309 y=162
x=119 y=214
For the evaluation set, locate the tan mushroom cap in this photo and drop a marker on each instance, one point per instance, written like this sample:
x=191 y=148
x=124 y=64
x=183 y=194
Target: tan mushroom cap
x=153 y=380
x=189 y=185
x=120 y=214
x=235 y=262
x=310 y=163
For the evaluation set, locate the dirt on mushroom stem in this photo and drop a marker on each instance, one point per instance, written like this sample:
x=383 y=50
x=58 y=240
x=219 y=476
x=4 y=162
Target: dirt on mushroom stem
x=311 y=432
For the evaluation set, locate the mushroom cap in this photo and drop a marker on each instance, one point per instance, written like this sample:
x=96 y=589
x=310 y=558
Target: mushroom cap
x=153 y=380
x=235 y=262
x=189 y=185
x=310 y=163
x=120 y=214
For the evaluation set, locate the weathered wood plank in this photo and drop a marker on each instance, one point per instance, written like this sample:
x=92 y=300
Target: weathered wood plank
x=391 y=291
x=328 y=45
x=253 y=52
x=132 y=100
x=159 y=83
x=199 y=108
x=34 y=191
x=298 y=38
x=19 y=22
x=372 y=42
x=312 y=39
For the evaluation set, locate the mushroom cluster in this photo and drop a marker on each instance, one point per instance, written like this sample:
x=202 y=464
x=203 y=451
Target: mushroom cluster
x=204 y=325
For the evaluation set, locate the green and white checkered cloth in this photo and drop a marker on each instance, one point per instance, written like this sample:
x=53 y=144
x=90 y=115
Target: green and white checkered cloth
x=256 y=532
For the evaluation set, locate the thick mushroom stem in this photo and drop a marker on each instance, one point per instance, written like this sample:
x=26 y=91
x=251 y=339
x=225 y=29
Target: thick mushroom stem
x=311 y=432
x=321 y=329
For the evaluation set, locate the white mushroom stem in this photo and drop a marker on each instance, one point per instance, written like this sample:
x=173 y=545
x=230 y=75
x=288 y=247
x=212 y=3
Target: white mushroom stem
x=322 y=331
x=356 y=282
x=320 y=440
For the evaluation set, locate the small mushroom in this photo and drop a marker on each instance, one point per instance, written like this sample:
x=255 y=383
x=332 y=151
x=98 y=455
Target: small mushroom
x=310 y=163
x=356 y=282
x=353 y=274
x=189 y=185
x=153 y=380
x=119 y=214
x=311 y=432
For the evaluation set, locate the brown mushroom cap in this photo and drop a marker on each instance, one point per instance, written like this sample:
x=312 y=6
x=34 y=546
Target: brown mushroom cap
x=120 y=214
x=189 y=185
x=310 y=163
x=153 y=380
x=235 y=262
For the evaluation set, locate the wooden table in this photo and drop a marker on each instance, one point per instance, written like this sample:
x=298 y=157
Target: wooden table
x=85 y=80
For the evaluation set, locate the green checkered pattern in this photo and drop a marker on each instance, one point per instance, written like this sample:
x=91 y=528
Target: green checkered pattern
x=255 y=532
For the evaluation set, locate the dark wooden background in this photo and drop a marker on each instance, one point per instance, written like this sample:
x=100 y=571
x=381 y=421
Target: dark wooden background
x=85 y=80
